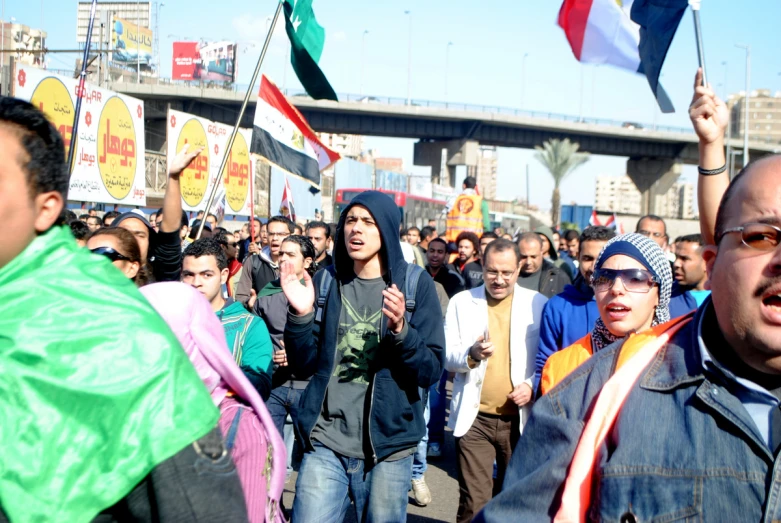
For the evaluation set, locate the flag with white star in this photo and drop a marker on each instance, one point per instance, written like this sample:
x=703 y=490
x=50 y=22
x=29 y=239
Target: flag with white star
x=307 y=38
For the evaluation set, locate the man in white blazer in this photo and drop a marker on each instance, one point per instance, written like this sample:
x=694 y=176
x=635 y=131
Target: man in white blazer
x=492 y=333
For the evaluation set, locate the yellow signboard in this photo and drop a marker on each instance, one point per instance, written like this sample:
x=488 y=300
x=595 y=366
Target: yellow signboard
x=130 y=43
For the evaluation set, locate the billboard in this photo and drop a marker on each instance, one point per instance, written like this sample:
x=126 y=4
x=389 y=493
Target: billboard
x=214 y=61
x=108 y=164
x=198 y=179
x=130 y=44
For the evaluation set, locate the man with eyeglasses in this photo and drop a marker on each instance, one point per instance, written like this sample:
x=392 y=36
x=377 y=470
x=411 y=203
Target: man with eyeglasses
x=491 y=337
x=262 y=268
x=230 y=246
x=698 y=432
x=653 y=227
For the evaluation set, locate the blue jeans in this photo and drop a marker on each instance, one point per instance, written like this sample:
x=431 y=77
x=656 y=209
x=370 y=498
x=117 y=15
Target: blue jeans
x=419 y=463
x=281 y=402
x=437 y=401
x=328 y=481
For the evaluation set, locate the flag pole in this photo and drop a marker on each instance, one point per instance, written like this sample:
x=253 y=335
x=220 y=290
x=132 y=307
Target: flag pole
x=695 y=5
x=241 y=113
x=82 y=76
x=252 y=207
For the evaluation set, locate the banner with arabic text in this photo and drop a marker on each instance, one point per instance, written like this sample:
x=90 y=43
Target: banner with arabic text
x=198 y=179
x=108 y=164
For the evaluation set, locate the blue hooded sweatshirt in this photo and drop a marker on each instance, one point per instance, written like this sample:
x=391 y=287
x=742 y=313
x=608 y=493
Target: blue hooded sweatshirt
x=566 y=318
x=394 y=407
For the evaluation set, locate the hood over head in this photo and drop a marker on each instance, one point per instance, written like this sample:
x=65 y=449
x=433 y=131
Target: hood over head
x=553 y=251
x=387 y=216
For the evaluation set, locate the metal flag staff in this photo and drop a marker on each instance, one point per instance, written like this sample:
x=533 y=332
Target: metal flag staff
x=235 y=131
x=82 y=76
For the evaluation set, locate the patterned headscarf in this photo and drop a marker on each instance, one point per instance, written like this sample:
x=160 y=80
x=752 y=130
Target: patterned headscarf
x=647 y=252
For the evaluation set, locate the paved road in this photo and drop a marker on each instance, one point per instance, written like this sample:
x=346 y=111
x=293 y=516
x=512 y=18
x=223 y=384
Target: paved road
x=440 y=477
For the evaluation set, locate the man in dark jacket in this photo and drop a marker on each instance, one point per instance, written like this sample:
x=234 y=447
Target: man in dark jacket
x=439 y=271
x=570 y=315
x=538 y=274
x=362 y=416
x=261 y=269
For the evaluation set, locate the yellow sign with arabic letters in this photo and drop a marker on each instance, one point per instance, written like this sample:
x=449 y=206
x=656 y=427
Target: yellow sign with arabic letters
x=195 y=179
x=117 y=157
x=197 y=182
x=108 y=159
x=236 y=174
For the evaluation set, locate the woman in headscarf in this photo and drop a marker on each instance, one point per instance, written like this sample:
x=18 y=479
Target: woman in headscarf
x=632 y=282
x=256 y=447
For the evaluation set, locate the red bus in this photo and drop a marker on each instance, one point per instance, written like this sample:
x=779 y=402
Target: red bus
x=415 y=210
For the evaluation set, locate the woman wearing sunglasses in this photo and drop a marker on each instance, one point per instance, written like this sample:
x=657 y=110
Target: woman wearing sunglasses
x=632 y=281
x=121 y=247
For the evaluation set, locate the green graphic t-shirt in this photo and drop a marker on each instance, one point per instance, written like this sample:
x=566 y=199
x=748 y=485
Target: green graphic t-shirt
x=346 y=406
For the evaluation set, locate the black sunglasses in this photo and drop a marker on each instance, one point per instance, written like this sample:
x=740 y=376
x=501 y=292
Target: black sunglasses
x=110 y=253
x=633 y=280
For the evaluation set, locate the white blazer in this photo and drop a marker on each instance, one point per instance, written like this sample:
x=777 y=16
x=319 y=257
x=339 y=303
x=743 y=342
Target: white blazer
x=467 y=320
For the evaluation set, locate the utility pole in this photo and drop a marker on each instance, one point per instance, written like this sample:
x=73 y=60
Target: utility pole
x=528 y=195
x=409 y=60
x=138 y=42
x=746 y=102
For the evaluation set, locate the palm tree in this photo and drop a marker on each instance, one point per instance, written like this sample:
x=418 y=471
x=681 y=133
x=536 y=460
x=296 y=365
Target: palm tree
x=560 y=157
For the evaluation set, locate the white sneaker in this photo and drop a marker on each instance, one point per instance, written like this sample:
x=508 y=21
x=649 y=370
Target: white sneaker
x=421 y=492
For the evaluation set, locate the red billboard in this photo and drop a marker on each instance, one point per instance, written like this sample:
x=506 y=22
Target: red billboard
x=204 y=61
x=186 y=61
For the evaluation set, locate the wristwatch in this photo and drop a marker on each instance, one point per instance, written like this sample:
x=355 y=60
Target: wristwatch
x=470 y=362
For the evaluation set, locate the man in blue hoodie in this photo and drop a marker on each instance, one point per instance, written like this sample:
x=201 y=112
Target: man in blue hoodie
x=361 y=417
x=569 y=316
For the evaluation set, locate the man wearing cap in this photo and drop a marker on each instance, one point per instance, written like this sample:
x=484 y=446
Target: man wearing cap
x=162 y=250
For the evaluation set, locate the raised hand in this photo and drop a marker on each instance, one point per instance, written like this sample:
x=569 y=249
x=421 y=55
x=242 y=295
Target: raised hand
x=300 y=297
x=182 y=160
x=394 y=307
x=708 y=113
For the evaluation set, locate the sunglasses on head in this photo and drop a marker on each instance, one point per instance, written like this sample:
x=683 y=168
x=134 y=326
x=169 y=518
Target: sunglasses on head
x=110 y=253
x=633 y=280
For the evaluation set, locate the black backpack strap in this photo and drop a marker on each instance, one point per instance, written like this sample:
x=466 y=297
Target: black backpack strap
x=411 y=288
x=234 y=428
x=323 y=285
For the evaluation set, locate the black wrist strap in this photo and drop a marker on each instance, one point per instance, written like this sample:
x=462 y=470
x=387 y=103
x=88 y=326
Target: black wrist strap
x=712 y=172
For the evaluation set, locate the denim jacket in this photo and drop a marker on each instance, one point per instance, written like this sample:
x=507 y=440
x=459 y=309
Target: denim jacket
x=683 y=448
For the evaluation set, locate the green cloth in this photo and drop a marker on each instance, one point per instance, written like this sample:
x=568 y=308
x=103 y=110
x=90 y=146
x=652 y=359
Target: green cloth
x=247 y=337
x=307 y=38
x=95 y=389
x=486 y=215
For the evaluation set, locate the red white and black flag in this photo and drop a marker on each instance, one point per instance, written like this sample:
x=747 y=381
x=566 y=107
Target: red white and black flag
x=286 y=207
x=282 y=136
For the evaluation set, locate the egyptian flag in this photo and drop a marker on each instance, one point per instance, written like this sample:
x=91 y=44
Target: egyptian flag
x=593 y=220
x=282 y=136
x=286 y=207
x=630 y=34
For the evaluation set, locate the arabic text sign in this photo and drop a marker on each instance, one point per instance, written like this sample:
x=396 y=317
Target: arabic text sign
x=108 y=164
x=130 y=43
x=198 y=179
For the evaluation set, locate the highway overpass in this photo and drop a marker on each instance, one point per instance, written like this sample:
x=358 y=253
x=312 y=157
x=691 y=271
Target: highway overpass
x=655 y=154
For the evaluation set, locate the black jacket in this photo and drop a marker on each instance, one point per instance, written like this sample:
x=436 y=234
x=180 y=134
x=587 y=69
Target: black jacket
x=393 y=404
x=552 y=280
x=257 y=272
x=452 y=282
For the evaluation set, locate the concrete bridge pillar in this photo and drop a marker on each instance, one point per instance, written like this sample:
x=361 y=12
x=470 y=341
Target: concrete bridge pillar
x=444 y=156
x=653 y=177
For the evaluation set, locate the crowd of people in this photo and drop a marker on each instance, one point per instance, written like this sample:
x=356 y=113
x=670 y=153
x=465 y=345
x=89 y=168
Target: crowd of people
x=178 y=370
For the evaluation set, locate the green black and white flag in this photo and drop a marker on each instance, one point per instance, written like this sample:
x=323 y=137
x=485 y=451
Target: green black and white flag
x=307 y=38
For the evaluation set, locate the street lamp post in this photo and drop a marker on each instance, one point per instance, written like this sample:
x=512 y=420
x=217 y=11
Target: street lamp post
x=409 y=60
x=138 y=42
x=523 y=78
x=746 y=101
x=363 y=57
x=447 y=65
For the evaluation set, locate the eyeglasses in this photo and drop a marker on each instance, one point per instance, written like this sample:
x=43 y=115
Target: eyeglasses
x=651 y=233
x=278 y=234
x=759 y=236
x=633 y=280
x=492 y=275
x=110 y=253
